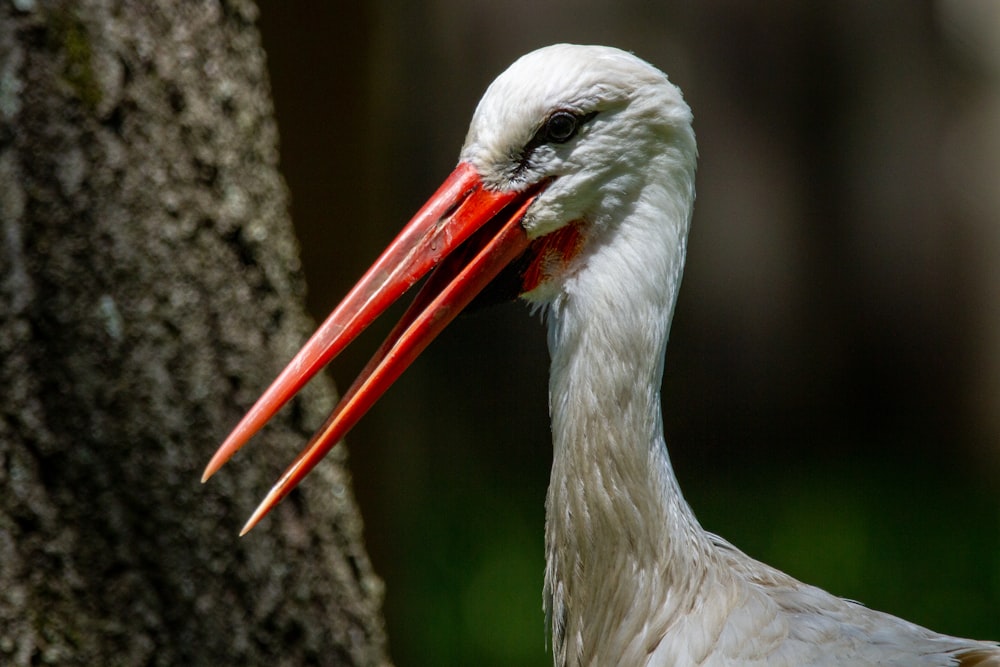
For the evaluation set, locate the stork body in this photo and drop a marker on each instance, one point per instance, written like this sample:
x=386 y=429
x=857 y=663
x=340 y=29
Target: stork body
x=589 y=154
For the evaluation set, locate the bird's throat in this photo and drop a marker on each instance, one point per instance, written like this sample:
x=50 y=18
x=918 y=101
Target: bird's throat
x=618 y=531
x=551 y=254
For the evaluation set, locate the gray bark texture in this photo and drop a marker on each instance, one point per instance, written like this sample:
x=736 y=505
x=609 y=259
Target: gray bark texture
x=149 y=290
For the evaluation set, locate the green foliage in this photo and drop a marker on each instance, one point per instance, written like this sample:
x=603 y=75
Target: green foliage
x=472 y=594
x=907 y=537
x=903 y=539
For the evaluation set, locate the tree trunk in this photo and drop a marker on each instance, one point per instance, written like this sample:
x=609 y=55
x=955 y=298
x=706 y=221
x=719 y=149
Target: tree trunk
x=149 y=290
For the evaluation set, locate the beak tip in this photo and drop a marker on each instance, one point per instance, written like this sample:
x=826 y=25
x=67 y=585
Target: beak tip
x=272 y=499
x=221 y=457
x=251 y=522
x=210 y=470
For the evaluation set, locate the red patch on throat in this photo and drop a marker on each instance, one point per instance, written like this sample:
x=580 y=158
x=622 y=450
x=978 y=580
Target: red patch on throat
x=551 y=254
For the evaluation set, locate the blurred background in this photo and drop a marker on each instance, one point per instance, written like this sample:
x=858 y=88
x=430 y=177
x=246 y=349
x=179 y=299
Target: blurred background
x=832 y=390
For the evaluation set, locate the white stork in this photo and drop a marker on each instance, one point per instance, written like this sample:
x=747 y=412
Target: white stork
x=577 y=175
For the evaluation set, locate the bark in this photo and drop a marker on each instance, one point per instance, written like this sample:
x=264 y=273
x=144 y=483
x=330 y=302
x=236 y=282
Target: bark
x=149 y=290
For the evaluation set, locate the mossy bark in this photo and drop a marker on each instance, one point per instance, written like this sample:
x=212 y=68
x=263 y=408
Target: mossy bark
x=149 y=289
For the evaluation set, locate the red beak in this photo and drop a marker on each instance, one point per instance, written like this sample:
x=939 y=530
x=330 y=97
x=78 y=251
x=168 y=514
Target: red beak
x=470 y=233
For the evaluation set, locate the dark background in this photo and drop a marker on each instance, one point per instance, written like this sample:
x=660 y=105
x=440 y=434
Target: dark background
x=833 y=378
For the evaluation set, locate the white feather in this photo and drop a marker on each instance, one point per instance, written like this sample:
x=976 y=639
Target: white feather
x=631 y=577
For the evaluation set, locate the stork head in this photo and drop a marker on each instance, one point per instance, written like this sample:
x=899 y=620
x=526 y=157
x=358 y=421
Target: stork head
x=558 y=148
x=589 y=121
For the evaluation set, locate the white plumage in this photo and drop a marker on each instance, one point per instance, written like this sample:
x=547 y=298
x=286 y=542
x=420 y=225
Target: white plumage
x=631 y=577
x=597 y=147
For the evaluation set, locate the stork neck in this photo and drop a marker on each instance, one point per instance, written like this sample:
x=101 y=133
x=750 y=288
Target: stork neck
x=616 y=520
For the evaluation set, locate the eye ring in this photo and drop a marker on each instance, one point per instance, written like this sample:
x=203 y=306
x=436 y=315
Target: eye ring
x=558 y=128
x=561 y=127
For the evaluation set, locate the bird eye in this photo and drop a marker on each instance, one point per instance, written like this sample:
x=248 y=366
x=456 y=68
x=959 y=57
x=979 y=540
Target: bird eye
x=558 y=128
x=561 y=127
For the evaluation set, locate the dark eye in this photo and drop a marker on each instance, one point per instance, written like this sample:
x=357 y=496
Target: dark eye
x=561 y=127
x=558 y=128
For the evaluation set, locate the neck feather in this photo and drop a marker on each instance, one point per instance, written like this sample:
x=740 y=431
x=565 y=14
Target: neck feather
x=619 y=535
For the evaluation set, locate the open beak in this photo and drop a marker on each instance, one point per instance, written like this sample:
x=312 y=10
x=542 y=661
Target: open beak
x=470 y=233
